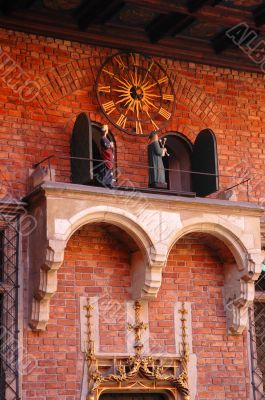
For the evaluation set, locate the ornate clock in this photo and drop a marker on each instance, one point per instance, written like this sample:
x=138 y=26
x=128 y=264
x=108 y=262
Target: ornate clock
x=135 y=93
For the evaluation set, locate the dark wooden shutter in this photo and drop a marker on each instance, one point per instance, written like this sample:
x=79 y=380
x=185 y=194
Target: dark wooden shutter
x=204 y=159
x=81 y=146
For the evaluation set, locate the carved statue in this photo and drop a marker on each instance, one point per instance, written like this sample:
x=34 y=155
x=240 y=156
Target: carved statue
x=107 y=156
x=156 y=167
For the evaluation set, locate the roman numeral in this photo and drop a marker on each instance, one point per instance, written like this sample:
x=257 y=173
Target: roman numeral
x=168 y=97
x=154 y=125
x=135 y=59
x=122 y=121
x=105 y=89
x=163 y=80
x=150 y=66
x=109 y=107
x=164 y=113
x=120 y=61
x=108 y=72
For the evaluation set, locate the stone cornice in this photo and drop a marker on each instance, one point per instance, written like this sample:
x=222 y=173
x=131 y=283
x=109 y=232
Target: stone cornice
x=68 y=190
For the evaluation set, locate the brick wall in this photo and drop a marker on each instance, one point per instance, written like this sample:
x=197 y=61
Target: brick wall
x=96 y=264
x=229 y=102
x=194 y=273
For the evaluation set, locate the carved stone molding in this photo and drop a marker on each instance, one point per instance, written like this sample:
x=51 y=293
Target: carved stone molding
x=239 y=292
x=137 y=372
x=155 y=223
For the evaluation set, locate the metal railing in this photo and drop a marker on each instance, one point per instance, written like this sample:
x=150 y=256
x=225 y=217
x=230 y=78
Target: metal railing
x=123 y=173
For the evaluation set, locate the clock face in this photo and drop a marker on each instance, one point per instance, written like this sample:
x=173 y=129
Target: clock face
x=135 y=93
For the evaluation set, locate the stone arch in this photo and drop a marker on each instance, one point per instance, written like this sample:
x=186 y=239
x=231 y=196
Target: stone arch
x=229 y=235
x=146 y=263
x=116 y=216
x=240 y=273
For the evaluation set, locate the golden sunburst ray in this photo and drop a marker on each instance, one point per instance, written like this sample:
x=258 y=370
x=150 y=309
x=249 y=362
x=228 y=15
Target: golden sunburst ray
x=124 y=82
x=137 y=109
x=152 y=95
x=147 y=102
x=145 y=87
x=132 y=79
x=147 y=72
x=136 y=77
x=127 y=91
x=124 y=89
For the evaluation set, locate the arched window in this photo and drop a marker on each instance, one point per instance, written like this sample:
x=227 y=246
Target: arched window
x=185 y=159
x=178 y=161
x=85 y=146
x=204 y=160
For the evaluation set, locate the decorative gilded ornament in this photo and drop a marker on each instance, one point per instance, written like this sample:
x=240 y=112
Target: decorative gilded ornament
x=135 y=93
x=137 y=372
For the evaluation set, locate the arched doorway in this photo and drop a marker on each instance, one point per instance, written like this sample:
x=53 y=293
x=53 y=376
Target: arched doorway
x=192 y=167
x=204 y=161
x=178 y=161
x=85 y=151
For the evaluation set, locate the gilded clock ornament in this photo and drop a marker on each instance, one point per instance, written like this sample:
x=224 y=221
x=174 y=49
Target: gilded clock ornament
x=135 y=93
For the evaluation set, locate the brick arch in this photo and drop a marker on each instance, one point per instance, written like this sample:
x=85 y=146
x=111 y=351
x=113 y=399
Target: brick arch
x=240 y=271
x=230 y=236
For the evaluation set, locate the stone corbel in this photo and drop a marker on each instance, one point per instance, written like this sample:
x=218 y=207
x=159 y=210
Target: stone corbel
x=239 y=292
x=47 y=285
x=147 y=273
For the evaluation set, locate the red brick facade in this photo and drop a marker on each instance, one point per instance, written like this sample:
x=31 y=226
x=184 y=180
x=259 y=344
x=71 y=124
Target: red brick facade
x=231 y=103
x=228 y=102
x=98 y=265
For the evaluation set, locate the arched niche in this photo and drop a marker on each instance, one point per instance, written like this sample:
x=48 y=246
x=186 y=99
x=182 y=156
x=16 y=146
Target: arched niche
x=178 y=161
x=85 y=150
x=192 y=167
x=204 y=161
x=146 y=263
x=239 y=277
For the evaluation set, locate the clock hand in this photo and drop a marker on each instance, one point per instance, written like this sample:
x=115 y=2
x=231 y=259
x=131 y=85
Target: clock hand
x=137 y=109
x=152 y=122
x=147 y=72
x=149 y=103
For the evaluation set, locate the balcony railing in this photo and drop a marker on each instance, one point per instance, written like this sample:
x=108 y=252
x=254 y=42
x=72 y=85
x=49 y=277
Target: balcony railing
x=125 y=177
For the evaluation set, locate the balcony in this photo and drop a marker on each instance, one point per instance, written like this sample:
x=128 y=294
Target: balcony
x=151 y=221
